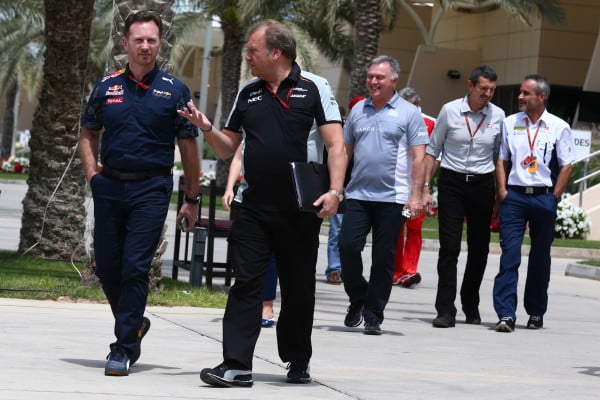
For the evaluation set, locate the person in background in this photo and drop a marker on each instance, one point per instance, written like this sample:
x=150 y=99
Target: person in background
x=532 y=172
x=137 y=109
x=467 y=135
x=270 y=288
x=386 y=137
x=333 y=272
x=408 y=250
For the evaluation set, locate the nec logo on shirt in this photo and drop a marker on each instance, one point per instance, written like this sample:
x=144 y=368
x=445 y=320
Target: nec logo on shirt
x=255 y=99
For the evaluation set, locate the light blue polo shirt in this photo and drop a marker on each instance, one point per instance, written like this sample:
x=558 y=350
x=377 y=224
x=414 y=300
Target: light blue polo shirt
x=382 y=161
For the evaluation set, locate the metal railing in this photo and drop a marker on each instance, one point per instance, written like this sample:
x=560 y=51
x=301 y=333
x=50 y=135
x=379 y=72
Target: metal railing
x=584 y=174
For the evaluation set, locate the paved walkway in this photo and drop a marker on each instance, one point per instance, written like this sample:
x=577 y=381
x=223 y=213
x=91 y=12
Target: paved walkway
x=55 y=350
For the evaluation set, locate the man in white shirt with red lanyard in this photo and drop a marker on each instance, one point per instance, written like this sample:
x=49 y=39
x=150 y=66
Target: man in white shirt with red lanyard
x=532 y=172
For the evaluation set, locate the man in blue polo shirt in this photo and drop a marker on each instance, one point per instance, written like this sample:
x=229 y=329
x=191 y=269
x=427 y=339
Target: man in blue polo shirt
x=386 y=136
x=284 y=115
x=137 y=108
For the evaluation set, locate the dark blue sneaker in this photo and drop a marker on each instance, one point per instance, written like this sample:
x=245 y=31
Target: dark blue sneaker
x=117 y=364
x=299 y=372
x=354 y=317
x=223 y=376
x=144 y=328
x=535 y=322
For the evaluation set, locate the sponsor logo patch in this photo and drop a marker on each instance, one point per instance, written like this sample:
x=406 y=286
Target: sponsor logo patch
x=298 y=95
x=259 y=91
x=161 y=93
x=254 y=99
x=116 y=73
x=170 y=80
x=115 y=90
x=115 y=100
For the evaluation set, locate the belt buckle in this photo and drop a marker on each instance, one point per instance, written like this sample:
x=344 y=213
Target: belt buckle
x=468 y=177
x=528 y=190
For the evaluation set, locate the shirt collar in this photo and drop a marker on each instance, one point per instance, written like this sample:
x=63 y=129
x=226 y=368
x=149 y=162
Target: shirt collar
x=466 y=108
x=543 y=118
x=148 y=78
x=392 y=102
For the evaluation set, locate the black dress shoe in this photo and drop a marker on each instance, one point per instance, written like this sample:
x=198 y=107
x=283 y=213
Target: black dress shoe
x=444 y=321
x=473 y=318
x=372 y=328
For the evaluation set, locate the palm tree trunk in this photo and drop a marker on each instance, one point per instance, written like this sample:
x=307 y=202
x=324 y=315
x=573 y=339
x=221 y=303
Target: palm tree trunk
x=53 y=220
x=9 y=121
x=231 y=62
x=367 y=27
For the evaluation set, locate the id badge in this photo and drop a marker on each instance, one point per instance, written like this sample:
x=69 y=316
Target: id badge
x=533 y=166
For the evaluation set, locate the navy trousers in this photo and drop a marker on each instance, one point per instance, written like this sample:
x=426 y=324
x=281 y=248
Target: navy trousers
x=386 y=220
x=129 y=217
x=516 y=211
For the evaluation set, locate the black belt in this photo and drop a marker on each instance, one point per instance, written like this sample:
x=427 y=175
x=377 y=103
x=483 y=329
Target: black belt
x=532 y=190
x=467 y=177
x=135 y=175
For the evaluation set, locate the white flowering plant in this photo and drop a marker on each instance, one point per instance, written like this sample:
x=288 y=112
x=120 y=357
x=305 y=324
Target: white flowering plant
x=205 y=178
x=16 y=164
x=571 y=221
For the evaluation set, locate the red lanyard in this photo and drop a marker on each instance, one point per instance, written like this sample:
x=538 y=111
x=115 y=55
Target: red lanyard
x=532 y=143
x=281 y=101
x=139 y=83
x=472 y=134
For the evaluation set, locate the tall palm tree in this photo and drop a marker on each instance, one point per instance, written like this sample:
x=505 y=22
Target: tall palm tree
x=21 y=42
x=53 y=220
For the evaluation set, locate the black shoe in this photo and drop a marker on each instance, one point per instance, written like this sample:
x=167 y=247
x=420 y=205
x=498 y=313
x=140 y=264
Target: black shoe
x=473 y=318
x=411 y=280
x=354 y=317
x=141 y=333
x=299 y=372
x=118 y=364
x=444 y=321
x=535 y=322
x=223 y=376
x=372 y=328
x=506 y=324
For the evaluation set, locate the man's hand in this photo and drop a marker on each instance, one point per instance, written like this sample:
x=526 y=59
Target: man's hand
x=415 y=205
x=329 y=205
x=227 y=199
x=191 y=113
x=190 y=212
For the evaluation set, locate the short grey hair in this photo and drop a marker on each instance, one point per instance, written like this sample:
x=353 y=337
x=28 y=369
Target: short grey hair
x=394 y=64
x=542 y=84
x=411 y=95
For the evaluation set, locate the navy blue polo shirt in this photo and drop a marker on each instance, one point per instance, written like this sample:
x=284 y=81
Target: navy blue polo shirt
x=279 y=128
x=140 y=119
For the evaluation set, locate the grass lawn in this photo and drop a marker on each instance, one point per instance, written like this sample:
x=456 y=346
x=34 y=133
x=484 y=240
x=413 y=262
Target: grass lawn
x=25 y=277
x=430 y=231
x=13 y=176
x=594 y=263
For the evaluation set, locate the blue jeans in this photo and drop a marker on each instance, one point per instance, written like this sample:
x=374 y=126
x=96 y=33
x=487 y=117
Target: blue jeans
x=516 y=211
x=333 y=252
x=270 y=290
x=386 y=220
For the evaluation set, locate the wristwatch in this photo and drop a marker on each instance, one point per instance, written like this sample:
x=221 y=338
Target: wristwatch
x=337 y=194
x=192 y=200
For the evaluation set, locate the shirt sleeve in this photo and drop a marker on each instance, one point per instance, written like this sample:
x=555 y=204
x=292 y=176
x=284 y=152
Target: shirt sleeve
x=234 y=121
x=331 y=110
x=438 y=136
x=417 y=131
x=348 y=126
x=564 y=148
x=92 y=117
x=504 y=152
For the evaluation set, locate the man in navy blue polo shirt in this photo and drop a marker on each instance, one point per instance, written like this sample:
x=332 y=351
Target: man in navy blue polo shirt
x=137 y=108
x=286 y=114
